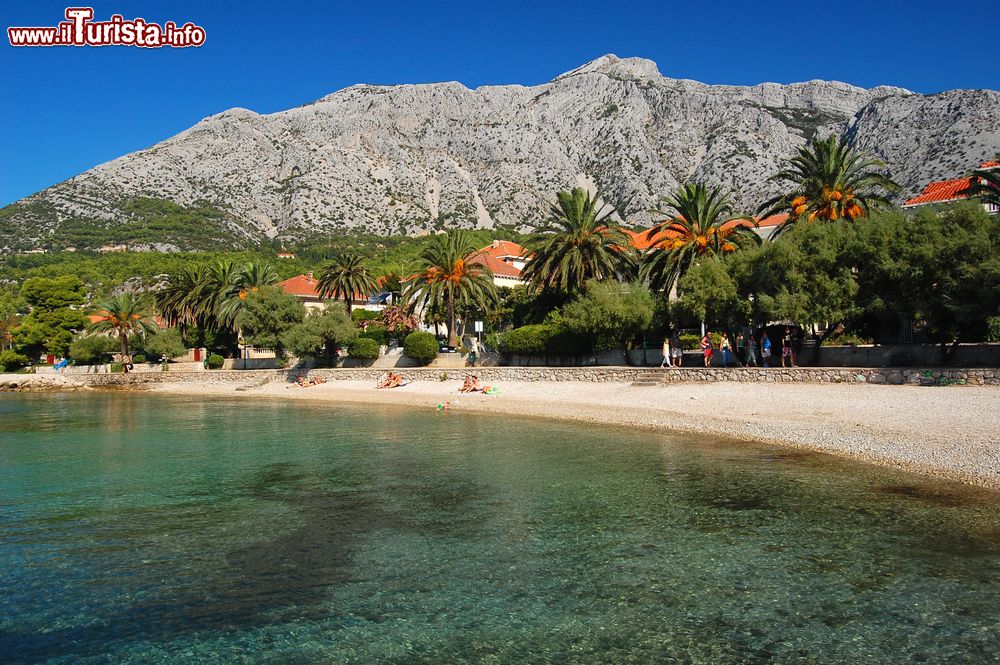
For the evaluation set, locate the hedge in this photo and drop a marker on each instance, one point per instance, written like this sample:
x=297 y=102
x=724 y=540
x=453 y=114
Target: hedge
x=363 y=348
x=421 y=346
x=376 y=332
x=545 y=339
x=215 y=361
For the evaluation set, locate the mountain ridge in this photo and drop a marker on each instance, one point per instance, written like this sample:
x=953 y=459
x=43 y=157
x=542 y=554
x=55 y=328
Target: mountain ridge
x=417 y=158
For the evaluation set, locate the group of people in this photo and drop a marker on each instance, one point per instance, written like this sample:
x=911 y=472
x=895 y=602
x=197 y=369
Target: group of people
x=750 y=350
x=472 y=385
x=303 y=382
x=392 y=380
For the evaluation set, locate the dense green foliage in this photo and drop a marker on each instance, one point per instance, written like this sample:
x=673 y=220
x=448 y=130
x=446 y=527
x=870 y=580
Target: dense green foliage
x=321 y=333
x=51 y=324
x=363 y=348
x=12 y=360
x=92 y=349
x=266 y=316
x=165 y=344
x=611 y=314
x=421 y=346
x=215 y=361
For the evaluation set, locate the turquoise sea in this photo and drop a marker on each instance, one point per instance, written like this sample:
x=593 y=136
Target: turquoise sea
x=150 y=529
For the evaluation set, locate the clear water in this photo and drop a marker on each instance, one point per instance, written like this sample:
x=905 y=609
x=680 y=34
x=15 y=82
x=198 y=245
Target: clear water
x=137 y=528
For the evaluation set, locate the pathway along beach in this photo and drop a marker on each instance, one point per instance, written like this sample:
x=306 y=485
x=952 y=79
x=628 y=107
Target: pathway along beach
x=948 y=432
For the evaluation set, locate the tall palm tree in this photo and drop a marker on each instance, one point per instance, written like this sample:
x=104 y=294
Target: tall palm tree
x=985 y=185
x=700 y=222
x=578 y=242
x=122 y=315
x=179 y=300
x=449 y=279
x=829 y=181
x=235 y=287
x=346 y=276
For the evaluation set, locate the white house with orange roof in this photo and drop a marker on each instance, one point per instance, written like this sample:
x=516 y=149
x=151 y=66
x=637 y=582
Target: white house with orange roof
x=951 y=191
x=506 y=259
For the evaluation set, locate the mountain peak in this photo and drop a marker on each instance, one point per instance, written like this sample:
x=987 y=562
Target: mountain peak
x=612 y=65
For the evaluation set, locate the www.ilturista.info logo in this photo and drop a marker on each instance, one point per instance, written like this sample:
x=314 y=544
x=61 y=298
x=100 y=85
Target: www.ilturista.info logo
x=79 y=29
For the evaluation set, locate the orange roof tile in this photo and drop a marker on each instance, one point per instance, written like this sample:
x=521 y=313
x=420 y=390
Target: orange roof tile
x=301 y=285
x=500 y=268
x=938 y=192
x=990 y=165
x=500 y=249
x=307 y=286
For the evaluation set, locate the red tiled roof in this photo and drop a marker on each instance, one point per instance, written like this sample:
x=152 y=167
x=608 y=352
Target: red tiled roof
x=500 y=268
x=307 y=286
x=990 y=165
x=937 y=192
x=500 y=249
x=301 y=285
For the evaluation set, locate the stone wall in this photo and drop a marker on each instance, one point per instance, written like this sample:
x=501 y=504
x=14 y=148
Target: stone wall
x=489 y=375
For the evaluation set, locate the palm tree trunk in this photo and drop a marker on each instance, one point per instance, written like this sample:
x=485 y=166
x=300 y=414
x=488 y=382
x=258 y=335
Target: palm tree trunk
x=347 y=304
x=451 y=320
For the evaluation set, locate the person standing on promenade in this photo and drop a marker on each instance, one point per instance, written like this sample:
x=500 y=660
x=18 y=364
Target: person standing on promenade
x=666 y=352
x=765 y=349
x=726 y=348
x=706 y=347
x=751 y=351
x=741 y=347
x=676 y=350
x=787 y=350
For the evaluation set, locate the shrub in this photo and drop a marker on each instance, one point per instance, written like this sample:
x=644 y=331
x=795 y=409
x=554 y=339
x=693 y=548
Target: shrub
x=528 y=340
x=613 y=315
x=320 y=334
x=215 y=361
x=91 y=349
x=165 y=344
x=376 y=332
x=11 y=360
x=847 y=339
x=358 y=315
x=546 y=339
x=117 y=368
x=690 y=342
x=138 y=358
x=421 y=346
x=363 y=348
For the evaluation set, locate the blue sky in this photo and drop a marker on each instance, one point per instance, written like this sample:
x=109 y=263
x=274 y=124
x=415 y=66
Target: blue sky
x=64 y=110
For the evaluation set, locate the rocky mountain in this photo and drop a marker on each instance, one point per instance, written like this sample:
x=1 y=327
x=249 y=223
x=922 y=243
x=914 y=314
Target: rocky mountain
x=417 y=158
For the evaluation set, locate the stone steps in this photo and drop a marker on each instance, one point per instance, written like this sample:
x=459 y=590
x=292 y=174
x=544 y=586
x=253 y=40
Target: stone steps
x=649 y=379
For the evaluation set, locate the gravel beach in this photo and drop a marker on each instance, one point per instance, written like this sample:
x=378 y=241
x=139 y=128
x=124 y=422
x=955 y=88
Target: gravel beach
x=949 y=432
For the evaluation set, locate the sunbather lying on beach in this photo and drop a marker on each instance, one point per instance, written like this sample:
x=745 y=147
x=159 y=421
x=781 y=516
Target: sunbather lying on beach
x=305 y=383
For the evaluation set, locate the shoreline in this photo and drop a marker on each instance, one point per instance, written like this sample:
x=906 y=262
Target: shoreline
x=949 y=433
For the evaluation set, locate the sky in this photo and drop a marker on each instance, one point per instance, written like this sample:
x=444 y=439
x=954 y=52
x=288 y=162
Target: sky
x=66 y=109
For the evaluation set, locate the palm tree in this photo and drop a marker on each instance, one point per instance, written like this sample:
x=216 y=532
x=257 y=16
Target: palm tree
x=234 y=287
x=578 y=243
x=179 y=300
x=122 y=315
x=449 y=279
x=985 y=185
x=700 y=222
x=346 y=276
x=830 y=181
x=8 y=321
